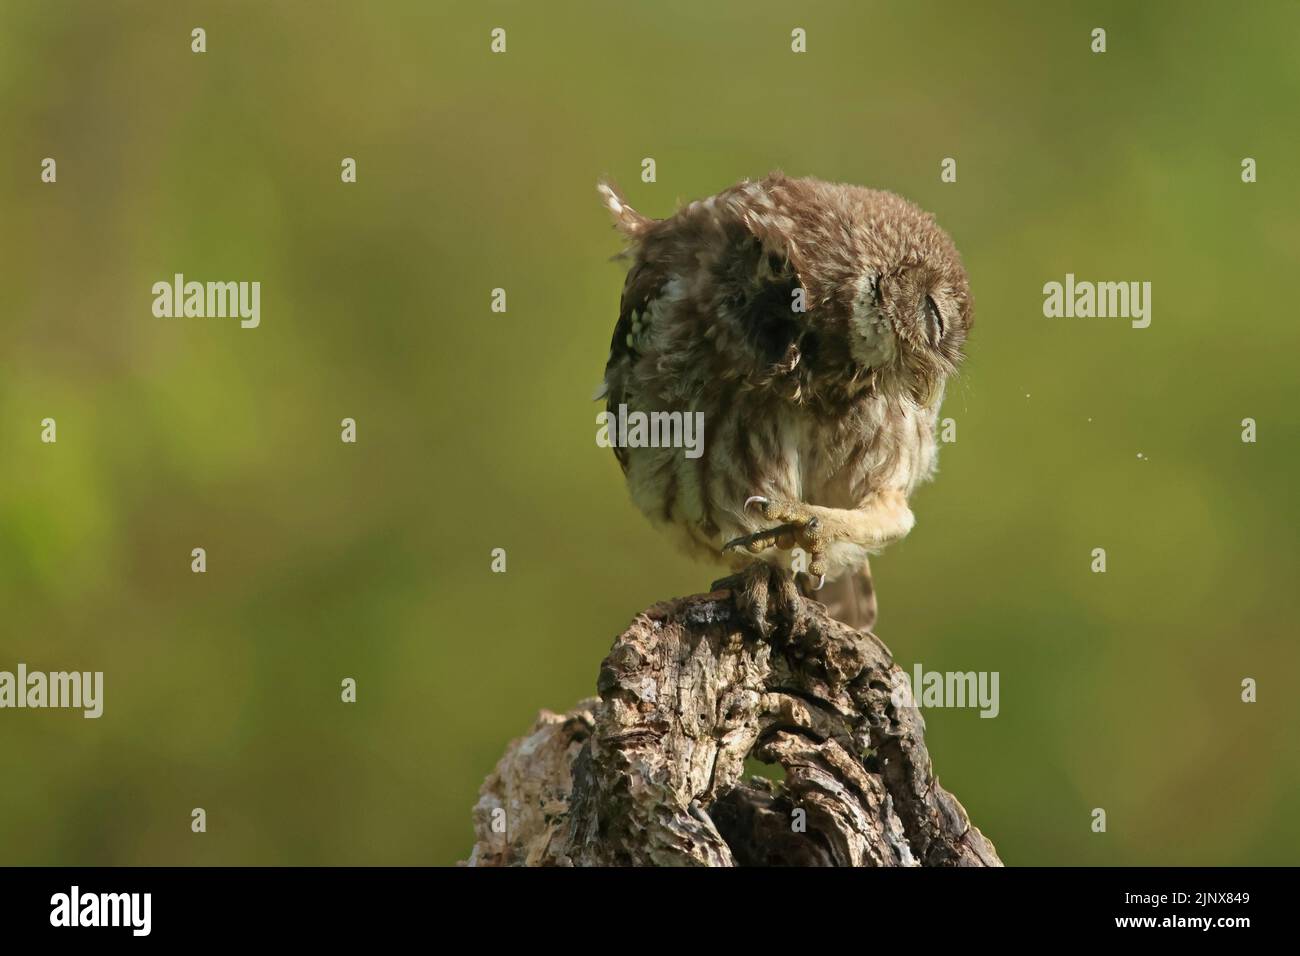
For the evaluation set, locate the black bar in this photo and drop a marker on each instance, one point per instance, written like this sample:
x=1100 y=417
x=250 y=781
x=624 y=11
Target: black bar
x=333 y=905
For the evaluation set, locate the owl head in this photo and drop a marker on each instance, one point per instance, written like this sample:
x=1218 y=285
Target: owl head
x=909 y=304
x=890 y=297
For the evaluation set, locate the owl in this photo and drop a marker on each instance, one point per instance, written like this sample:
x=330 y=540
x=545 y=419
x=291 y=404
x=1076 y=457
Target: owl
x=810 y=328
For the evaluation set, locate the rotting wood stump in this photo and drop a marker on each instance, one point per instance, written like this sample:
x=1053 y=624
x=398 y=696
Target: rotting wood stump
x=650 y=772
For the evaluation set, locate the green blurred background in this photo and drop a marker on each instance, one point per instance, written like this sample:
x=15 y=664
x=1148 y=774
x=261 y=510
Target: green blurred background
x=328 y=560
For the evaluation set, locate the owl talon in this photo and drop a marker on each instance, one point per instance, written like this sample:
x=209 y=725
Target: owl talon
x=762 y=540
x=766 y=599
x=801 y=528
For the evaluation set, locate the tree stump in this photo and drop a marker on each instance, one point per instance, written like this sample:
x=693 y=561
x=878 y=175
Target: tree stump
x=650 y=772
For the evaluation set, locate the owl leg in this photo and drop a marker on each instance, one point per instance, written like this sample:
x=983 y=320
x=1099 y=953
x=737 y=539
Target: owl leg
x=881 y=519
x=800 y=528
x=765 y=597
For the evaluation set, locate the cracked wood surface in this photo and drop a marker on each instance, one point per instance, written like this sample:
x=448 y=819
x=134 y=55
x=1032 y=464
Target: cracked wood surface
x=652 y=771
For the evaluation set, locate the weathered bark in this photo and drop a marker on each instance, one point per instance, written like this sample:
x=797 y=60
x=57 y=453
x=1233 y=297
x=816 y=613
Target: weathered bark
x=650 y=773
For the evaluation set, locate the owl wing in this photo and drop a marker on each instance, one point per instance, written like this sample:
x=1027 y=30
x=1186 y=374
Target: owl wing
x=743 y=239
x=643 y=284
x=644 y=280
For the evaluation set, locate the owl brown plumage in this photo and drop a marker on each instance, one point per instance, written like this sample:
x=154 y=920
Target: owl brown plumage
x=813 y=325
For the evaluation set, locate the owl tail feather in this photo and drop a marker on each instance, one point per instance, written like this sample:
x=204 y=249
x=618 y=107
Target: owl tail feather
x=629 y=222
x=851 y=599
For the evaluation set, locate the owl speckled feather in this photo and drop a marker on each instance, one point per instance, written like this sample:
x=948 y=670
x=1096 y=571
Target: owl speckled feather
x=814 y=326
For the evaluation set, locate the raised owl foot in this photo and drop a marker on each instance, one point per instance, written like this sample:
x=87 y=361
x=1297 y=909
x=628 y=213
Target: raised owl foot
x=765 y=597
x=799 y=526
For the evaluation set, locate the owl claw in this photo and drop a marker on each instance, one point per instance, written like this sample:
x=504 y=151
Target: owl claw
x=765 y=598
x=820 y=582
x=762 y=540
x=802 y=528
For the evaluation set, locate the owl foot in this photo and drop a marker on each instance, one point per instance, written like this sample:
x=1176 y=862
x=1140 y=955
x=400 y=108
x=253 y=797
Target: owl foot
x=800 y=527
x=765 y=598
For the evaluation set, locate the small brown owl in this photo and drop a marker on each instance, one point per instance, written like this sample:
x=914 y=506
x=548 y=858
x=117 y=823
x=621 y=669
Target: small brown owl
x=809 y=327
